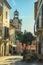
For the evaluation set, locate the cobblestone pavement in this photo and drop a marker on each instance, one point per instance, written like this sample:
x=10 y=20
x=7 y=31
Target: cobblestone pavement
x=7 y=60
x=17 y=61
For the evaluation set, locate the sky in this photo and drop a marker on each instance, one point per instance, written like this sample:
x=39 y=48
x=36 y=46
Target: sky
x=26 y=13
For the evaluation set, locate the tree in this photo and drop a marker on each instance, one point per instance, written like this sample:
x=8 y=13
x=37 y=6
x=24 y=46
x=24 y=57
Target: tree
x=20 y=36
x=25 y=38
x=28 y=37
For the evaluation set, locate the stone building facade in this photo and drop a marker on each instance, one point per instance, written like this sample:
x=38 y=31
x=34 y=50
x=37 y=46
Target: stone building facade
x=12 y=36
x=18 y=23
x=39 y=25
x=4 y=27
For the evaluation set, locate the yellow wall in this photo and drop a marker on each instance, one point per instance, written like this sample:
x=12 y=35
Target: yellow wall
x=4 y=23
x=2 y=49
x=5 y=9
x=11 y=31
x=1 y=10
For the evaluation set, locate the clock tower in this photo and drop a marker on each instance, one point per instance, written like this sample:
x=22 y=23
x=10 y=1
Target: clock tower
x=16 y=14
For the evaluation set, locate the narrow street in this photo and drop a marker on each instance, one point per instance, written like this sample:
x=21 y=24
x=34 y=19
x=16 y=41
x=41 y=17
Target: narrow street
x=17 y=61
x=21 y=32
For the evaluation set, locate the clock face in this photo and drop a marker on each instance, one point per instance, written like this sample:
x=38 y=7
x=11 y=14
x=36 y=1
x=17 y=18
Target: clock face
x=16 y=16
x=0 y=10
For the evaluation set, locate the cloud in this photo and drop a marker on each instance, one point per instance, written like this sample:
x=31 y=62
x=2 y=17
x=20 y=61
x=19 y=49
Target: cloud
x=14 y=4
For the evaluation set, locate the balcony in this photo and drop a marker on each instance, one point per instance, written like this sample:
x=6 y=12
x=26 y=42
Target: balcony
x=40 y=29
x=40 y=26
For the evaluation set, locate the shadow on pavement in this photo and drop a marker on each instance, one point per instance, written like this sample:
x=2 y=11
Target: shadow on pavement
x=26 y=63
x=12 y=59
x=20 y=63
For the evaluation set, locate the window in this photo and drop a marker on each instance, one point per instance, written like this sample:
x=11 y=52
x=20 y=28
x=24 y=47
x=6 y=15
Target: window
x=40 y=21
x=42 y=16
x=35 y=29
x=37 y=23
x=14 y=22
x=6 y=32
x=6 y=16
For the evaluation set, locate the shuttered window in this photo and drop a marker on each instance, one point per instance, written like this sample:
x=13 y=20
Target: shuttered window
x=42 y=16
x=6 y=33
x=37 y=23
